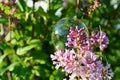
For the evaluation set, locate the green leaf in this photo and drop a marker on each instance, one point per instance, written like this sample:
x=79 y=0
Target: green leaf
x=7 y=48
x=21 y=5
x=10 y=68
x=52 y=77
x=21 y=72
x=24 y=50
x=42 y=58
x=14 y=42
x=1 y=30
x=34 y=41
x=3 y=20
x=56 y=75
x=9 y=36
x=2 y=57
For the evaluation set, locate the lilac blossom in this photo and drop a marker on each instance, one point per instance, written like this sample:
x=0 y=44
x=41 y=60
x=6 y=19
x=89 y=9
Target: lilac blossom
x=101 y=39
x=77 y=38
x=84 y=65
x=78 y=60
x=107 y=72
x=64 y=58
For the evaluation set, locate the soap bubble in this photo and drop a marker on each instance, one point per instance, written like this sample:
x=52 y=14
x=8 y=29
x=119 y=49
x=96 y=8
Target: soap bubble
x=61 y=30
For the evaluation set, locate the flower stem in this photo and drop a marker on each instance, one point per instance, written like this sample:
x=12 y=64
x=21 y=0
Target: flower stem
x=77 y=8
x=78 y=50
x=100 y=43
x=33 y=15
x=9 y=73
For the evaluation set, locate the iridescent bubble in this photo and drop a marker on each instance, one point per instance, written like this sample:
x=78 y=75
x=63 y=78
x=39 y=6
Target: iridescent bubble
x=61 y=30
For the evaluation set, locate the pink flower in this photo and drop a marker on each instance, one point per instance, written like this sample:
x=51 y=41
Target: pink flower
x=101 y=39
x=90 y=58
x=80 y=61
x=77 y=38
x=58 y=58
x=65 y=59
x=70 y=60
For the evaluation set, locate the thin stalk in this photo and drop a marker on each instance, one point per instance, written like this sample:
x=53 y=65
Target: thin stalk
x=49 y=5
x=77 y=8
x=9 y=73
x=9 y=22
x=89 y=24
x=78 y=78
x=9 y=25
x=33 y=15
x=78 y=50
x=100 y=43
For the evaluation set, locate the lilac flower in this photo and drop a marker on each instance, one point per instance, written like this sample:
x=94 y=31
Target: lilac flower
x=101 y=39
x=65 y=59
x=107 y=72
x=80 y=62
x=104 y=41
x=90 y=57
x=70 y=60
x=84 y=65
x=77 y=38
x=73 y=37
x=58 y=58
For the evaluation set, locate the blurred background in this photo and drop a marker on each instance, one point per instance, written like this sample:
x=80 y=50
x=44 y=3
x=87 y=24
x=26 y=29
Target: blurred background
x=30 y=30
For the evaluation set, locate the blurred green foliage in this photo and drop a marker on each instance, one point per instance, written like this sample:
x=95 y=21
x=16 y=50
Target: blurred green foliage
x=25 y=36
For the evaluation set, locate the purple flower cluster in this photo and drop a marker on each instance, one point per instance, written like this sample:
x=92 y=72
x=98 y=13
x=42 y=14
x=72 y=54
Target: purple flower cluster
x=79 y=38
x=80 y=61
x=100 y=38
x=96 y=4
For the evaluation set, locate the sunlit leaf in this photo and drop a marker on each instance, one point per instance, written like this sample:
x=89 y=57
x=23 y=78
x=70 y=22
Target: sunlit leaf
x=24 y=50
x=2 y=58
x=21 y=5
x=59 y=12
x=9 y=36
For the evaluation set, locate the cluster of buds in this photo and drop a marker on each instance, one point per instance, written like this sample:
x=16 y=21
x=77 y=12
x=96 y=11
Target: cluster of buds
x=96 y=4
x=88 y=6
x=79 y=60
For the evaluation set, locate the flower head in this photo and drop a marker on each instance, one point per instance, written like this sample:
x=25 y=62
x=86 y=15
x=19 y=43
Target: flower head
x=64 y=58
x=107 y=72
x=80 y=61
x=77 y=38
x=101 y=39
